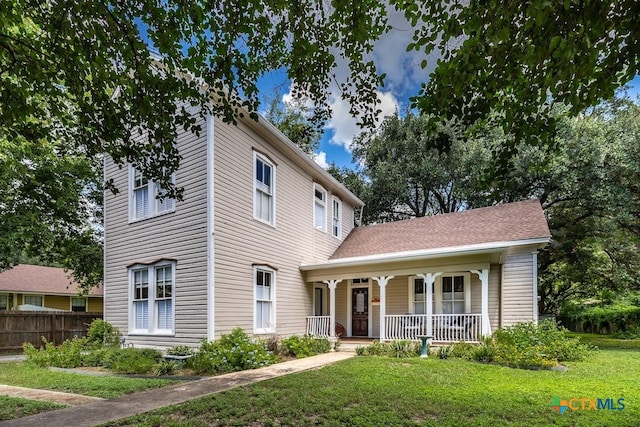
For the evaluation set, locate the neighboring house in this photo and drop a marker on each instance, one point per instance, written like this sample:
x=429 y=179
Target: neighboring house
x=37 y=287
x=264 y=240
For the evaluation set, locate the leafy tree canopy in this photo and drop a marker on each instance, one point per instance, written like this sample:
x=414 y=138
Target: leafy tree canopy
x=293 y=119
x=517 y=59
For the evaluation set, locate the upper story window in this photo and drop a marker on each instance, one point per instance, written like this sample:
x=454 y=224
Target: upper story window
x=319 y=207
x=152 y=298
x=145 y=197
x=264 y=190
x=336 y=229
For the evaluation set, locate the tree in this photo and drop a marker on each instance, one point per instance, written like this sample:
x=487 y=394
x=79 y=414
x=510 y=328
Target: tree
x=292 y=118
x=517 y=59
x=587 y=183
x=78 y=81
x=410 y=178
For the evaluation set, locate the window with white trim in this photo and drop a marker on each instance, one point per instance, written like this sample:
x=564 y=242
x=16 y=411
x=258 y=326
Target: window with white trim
x=152 y=309
x=263 y=190
x=4 y=302
x=420 y=296
x=33 y=300
x=453 y=295
x=78 y=304
x=319 y=207
x=264 y=316
x=146 y=197
x=337 y=218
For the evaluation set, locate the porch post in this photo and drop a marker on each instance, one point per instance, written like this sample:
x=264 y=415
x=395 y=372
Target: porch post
x=484 y=280
x=331 y=284
x=429 y=280
x=382 y=282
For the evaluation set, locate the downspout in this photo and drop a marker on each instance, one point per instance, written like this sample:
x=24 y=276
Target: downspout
x=210 y=229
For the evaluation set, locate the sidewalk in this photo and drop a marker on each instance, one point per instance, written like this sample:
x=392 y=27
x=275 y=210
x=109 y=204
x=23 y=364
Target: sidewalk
x=100 y=412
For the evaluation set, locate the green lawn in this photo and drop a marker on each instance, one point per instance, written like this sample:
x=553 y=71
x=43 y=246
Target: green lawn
x=369 y=391
x=27 y=375
x=13 y=407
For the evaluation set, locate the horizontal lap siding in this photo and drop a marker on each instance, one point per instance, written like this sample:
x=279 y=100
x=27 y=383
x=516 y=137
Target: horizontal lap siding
x=517 y=291
x=241 y=241
x=180 y=235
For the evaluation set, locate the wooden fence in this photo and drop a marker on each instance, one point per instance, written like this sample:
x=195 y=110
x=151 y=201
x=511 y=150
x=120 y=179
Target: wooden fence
x=18 y=327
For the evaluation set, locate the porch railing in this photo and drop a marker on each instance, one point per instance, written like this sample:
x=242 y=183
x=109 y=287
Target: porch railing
x=318 y=326
x=445 y=327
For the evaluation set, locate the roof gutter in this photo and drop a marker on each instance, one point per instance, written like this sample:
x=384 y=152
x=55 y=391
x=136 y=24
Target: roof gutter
x=482 y=248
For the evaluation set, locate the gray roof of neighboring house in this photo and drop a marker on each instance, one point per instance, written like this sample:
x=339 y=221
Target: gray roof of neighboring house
x=36 y=279
x=510 y=222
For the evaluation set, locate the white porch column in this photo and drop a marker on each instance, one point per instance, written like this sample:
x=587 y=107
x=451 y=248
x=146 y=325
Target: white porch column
x=429 y=280
x=484 y=280
x=382 y=282
x=331 y=284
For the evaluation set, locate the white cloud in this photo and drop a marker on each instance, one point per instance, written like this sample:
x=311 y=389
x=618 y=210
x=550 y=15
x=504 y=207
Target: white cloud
x=321 y=159
x=344 y=126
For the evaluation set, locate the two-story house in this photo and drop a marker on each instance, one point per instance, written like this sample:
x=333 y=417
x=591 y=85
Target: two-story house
x=264 y=240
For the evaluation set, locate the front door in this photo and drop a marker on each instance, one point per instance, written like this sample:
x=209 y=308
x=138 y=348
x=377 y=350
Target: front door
x=360 y=312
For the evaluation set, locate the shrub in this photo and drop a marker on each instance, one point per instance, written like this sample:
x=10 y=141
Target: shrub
x=166 y=367
x=103 y=333
x=404 y=349
x=376 y=348
x=444 y=352
x=69 y=354
x=526 y=345
x=233 y=352
x=631 y=333
x=180 y=350
x=485 y=351
x=134 y=360
x=304 y=346
x=462 y=350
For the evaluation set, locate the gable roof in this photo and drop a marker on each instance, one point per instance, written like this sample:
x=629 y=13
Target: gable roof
x=38 y=279
x=500 y=225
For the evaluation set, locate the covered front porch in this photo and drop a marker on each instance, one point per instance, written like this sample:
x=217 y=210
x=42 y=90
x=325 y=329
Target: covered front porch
x=450 y=304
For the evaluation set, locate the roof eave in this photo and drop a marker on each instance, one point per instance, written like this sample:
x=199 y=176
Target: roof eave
x=483 y=248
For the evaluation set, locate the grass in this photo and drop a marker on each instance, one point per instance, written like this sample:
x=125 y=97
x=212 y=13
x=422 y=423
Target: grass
x=27 y=375
x=14 y=407
x=367 y=391
x=605 y=341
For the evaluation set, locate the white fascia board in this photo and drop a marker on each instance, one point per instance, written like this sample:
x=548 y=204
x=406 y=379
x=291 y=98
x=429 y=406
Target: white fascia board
x=482 y=248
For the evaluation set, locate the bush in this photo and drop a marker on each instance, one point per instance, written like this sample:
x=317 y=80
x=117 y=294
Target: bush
x=460 y=350
x=631 y=333
x=69 y=354
x=180 y=350
x=375 y=349
x=233 y=352
x=526 y=345
x=133 y=360
x=444 y=352
x=103 y=333
x=304 y=346
x=404 y=349
x=485 y=351
x=166 y=367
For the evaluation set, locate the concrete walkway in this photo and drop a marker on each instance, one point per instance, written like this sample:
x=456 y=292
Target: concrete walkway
x=99 y=412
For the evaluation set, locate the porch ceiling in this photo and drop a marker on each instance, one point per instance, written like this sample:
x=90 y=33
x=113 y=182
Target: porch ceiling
x=403 y=264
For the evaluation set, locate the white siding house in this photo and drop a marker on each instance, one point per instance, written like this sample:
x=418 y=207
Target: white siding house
x=264 y=239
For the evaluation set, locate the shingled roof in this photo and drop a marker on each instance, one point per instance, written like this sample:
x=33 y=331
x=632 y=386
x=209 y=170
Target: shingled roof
x=41 y=280
x=511 y=222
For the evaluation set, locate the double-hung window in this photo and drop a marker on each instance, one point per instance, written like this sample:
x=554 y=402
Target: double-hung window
x=152 y=298
x=420 y=296
x=319 y=207
x=264 y=190
x=146 y=197
x=337 y=218
x=4 y=302
x=265 y=315
x=453 y=295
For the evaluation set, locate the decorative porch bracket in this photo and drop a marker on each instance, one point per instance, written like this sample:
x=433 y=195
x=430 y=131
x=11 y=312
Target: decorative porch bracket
x=331 y=284
x=382 y=282
x=429 y=280
x=484 y=280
